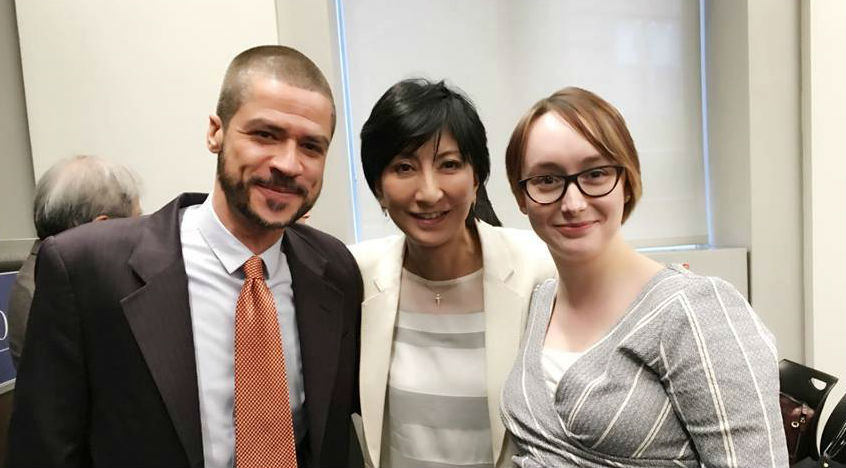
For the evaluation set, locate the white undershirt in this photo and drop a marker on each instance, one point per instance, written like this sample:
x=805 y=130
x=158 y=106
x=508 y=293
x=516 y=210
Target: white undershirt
x=213 y=259
x=555 y=364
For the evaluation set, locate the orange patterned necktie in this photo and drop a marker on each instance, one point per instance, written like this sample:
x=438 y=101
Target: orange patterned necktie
x=264 y=430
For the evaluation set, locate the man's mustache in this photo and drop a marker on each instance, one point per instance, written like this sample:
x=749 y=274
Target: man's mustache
x=280 y=182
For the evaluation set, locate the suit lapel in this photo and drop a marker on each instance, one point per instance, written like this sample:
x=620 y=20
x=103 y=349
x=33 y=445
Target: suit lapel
x=159 y=316
x=504 y=309
x=319 y=306
x=378 y=319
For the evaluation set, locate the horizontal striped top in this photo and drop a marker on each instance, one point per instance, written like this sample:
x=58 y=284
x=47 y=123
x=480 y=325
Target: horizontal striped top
x=688 y=377
x=436 y=411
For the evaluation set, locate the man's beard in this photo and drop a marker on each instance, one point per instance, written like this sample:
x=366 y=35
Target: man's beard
x=238 y=195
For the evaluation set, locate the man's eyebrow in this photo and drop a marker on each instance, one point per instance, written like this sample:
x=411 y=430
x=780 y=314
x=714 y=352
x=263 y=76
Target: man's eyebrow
x=262 y=122
x=269 y=125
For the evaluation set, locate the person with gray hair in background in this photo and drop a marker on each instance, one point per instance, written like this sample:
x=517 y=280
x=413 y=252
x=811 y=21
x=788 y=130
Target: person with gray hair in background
x=74 y=191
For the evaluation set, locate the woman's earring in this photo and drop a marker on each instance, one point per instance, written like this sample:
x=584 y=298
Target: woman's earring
x=384 y=212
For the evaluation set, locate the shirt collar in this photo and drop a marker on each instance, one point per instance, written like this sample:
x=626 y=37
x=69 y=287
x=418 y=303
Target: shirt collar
x=230 y=251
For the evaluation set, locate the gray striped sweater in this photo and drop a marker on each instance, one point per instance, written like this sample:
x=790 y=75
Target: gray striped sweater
x=688 y=377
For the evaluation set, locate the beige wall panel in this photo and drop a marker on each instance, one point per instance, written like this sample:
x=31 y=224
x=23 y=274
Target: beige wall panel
x=134 y=81
x=311 y=28
x=824 y=170
x=16 y=180
x=753 y=104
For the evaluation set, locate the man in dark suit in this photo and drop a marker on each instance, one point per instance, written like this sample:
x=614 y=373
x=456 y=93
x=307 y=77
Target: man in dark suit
x=140 y=348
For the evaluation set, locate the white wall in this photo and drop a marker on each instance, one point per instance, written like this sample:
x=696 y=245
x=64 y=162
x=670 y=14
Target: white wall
x=134 y=81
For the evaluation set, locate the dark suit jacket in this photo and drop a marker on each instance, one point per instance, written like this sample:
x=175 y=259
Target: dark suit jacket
x=20 y=299
x=108 y=376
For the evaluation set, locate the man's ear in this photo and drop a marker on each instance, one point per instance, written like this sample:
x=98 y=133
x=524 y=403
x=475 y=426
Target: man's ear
x=214 y=135
x=101 y=217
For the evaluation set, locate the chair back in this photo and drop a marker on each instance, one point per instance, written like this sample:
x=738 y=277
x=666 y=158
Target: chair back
x=795 y=380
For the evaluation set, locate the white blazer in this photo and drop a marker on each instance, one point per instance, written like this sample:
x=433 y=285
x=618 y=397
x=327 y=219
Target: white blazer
x=513 y=261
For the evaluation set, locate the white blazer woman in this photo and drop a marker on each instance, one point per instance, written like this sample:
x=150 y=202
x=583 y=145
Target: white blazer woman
x=513 y=262
x=444 y=303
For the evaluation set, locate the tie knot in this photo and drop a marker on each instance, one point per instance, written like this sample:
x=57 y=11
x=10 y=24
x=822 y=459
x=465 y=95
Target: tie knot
x=253 y=268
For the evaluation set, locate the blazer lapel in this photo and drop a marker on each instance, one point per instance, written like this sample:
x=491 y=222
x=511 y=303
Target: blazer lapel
x=378 y=319
x=318 y=306
x=159 y=316
x=504 y=312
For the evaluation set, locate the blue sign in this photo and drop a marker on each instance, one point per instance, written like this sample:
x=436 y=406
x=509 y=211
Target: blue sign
x=7 y=369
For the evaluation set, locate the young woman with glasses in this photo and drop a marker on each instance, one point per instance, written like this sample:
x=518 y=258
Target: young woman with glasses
x=445 y=302
x=625 y=362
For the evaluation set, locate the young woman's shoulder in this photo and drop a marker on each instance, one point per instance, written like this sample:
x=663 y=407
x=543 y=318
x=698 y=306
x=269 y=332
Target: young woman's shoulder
x=711 y=305
x=701 y=287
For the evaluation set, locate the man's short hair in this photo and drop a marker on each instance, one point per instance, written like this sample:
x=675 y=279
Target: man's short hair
x=282 y=63
x=77 y=190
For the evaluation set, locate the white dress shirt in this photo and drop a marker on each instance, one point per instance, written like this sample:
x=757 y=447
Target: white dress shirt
x=213 y=259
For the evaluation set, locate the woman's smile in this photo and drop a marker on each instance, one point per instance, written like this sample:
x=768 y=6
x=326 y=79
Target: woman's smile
x=576 y=229
x=429 y=218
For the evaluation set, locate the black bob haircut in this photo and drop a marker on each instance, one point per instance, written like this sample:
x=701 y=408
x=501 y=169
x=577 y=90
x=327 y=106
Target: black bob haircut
x=414 y=111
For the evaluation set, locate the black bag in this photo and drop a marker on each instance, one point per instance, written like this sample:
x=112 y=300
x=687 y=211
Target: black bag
x=829 y=454
x=797 y=417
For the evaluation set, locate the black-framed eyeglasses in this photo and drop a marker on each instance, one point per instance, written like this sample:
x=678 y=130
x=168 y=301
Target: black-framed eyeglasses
x=595 y=182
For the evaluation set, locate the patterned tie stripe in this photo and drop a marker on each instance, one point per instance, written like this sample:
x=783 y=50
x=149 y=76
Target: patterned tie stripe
x=264 y=431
